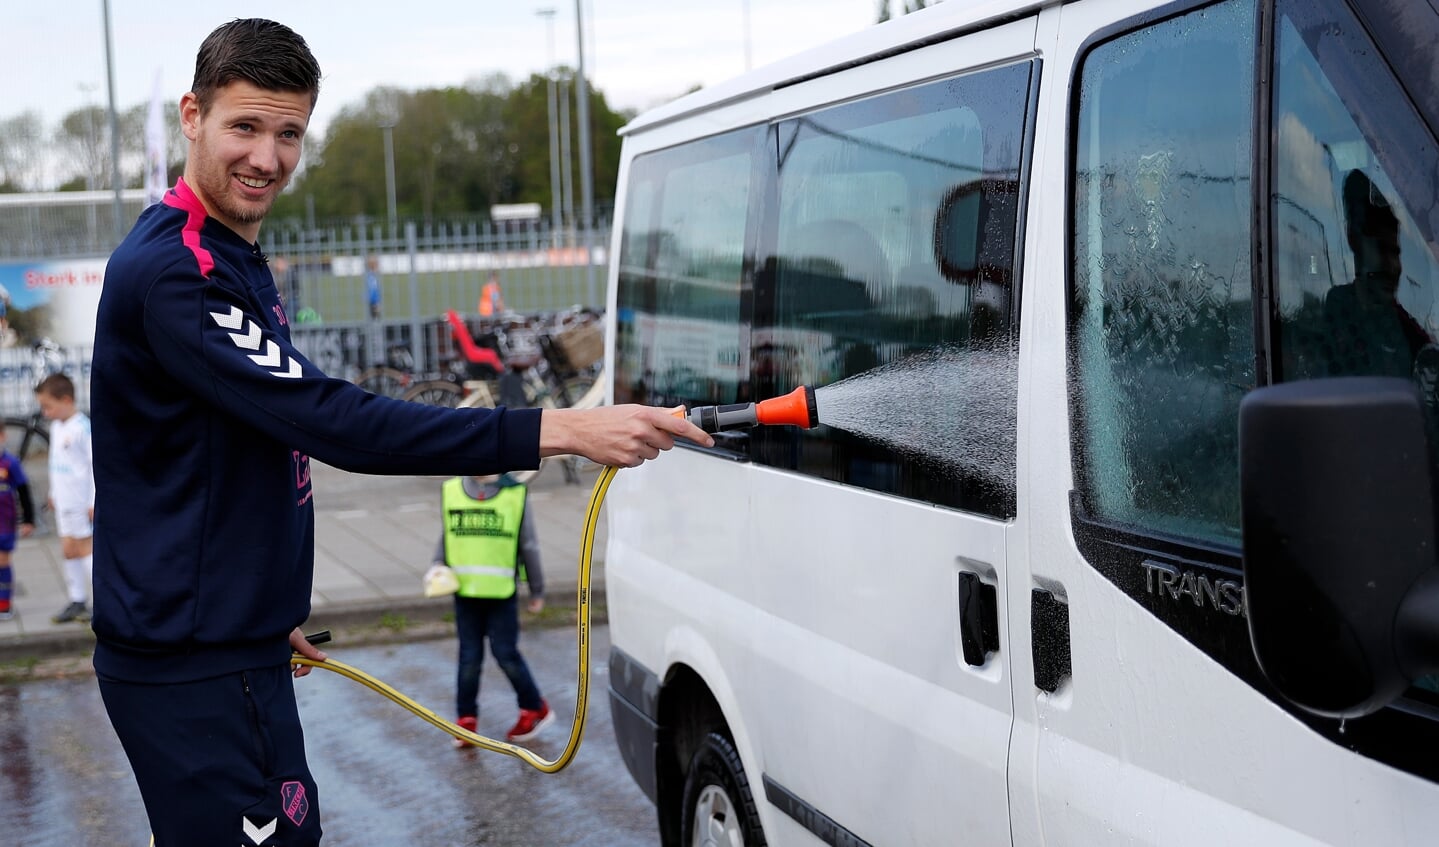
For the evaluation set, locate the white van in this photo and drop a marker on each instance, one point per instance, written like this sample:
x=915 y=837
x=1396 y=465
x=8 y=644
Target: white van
x=1032 y=257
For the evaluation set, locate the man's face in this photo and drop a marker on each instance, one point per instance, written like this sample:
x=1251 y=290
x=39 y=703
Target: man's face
x=1377 y=261
x=243 y=150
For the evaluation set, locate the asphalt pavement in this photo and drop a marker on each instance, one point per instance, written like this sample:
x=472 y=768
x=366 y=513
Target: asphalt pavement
x=374 y=537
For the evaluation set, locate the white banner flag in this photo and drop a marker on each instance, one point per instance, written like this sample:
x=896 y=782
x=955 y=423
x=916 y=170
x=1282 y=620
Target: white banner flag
x=155 y=154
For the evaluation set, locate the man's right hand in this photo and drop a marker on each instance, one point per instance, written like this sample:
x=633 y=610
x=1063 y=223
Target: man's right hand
x=624 y=436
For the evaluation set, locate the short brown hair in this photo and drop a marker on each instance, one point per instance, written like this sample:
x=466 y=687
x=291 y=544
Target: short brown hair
x=266 y=54
x=59 y=386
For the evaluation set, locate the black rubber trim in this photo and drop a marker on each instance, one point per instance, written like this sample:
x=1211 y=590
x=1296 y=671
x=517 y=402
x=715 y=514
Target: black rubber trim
x=634 y=705
x=821 y=825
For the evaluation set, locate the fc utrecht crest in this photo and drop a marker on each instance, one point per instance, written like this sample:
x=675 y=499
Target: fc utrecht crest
x=246 y=336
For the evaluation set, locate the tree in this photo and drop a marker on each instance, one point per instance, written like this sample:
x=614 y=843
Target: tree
x=21 y=152
x=83 y=141
x=456 y=151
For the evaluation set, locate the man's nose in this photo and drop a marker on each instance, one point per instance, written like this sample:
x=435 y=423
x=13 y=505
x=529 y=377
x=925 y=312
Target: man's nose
x=264 y=155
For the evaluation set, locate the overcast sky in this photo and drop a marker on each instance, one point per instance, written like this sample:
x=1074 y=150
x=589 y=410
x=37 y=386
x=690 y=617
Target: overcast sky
x=639 y=52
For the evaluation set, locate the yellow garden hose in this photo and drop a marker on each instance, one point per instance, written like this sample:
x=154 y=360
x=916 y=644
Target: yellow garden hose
x=582 y=632
x=582 y=638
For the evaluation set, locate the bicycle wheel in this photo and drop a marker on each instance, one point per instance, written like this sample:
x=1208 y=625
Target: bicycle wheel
x=435 y=392
x=387 y=382
x=29 y=439
x=572 y=389
x=479 y=393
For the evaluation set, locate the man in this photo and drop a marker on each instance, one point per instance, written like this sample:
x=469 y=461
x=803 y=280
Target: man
x=205 y=417
x=373 y=293
x=1368 y=331
x=492 y=302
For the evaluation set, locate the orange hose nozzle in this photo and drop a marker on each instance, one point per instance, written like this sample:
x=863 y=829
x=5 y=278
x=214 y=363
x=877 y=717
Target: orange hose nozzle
x=797 y=408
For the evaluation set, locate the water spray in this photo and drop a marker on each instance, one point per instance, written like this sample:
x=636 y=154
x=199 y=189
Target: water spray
x=797 y=408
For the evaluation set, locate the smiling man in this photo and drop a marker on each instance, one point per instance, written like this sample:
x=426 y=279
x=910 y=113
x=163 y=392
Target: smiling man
x=204 y=417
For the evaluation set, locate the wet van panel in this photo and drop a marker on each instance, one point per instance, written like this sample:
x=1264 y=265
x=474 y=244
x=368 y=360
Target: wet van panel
x=1166 y=733
x=810 y=584
x=1030 y=258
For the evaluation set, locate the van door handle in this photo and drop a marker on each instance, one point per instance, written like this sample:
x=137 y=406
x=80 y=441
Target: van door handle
x=978 y=619
x=1049 y=636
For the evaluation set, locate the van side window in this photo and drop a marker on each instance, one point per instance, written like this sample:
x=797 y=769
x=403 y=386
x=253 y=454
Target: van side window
x=891 y=264
x=678 y=333
x=1356 y=272
x=1162 y=323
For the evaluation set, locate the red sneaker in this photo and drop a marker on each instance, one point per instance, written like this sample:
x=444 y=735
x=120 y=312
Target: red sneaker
x=531 y=722
x=469 y=722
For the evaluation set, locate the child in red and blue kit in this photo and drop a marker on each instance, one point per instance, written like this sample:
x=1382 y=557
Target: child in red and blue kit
x=17 y=517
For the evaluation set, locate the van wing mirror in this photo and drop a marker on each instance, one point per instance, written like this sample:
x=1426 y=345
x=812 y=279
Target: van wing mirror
x=970 y=215
x=1341 y=582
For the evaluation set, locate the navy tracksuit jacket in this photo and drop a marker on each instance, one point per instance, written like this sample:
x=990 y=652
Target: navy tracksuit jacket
x=204 y=418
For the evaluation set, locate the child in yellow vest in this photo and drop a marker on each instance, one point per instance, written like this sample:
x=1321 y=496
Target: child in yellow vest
x=489 y=541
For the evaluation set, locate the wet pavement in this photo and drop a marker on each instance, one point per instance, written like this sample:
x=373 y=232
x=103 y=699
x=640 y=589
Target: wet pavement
x=385 y=776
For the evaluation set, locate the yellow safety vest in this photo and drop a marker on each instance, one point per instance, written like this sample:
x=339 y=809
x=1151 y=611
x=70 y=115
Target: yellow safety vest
x=482 y=539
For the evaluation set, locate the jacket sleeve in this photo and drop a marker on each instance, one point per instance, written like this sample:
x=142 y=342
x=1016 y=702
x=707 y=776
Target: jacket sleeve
x=27 y=503
x=530 y=553
x=212 y=337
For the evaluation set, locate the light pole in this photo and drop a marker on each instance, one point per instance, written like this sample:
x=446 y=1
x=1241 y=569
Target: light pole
x=558 y=223
x=119 y=207
x=587 y=177
x=566 y=171
x=389 y=130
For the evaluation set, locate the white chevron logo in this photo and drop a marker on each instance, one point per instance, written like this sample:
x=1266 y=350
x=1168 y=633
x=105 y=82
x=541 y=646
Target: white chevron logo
x=234 y=320
x=271 y=357
x=258 y=834
x=249 y=341
x=248 y=338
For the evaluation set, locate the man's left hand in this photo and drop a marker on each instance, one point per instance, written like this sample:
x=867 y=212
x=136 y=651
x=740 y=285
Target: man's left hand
x=301 y=645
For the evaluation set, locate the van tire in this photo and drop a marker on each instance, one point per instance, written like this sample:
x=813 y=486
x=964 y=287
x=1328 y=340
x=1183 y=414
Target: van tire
x=717 y=797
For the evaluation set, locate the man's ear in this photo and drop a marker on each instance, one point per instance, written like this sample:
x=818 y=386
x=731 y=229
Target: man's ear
x=190 y=115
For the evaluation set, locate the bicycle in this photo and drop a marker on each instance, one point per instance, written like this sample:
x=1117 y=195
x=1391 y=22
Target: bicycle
x=29 y=437
x=391 y=379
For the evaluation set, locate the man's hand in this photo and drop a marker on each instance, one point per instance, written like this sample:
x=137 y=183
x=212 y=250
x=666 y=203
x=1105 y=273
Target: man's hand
x=623 y=436
x=300 y=645
x=27 y=530
x=536 y=605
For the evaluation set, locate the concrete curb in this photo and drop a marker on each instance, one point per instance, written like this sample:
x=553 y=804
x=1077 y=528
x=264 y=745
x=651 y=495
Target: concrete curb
x=368 y=622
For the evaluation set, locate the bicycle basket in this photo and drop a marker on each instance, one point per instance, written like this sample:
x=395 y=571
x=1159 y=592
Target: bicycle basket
x=582 y=345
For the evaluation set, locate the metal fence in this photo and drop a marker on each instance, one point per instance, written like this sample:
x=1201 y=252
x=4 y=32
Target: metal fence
x=424 y=270
x=64 y=224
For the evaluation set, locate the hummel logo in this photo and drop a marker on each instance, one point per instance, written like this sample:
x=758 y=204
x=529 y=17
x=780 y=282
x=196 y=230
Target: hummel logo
x=258 y=834
x=247 y=337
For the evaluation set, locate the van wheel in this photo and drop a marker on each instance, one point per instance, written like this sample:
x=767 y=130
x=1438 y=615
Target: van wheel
x=718 y=808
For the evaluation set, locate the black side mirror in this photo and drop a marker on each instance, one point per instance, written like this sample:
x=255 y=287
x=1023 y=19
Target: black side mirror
x=1340 y=566
x=963 y=231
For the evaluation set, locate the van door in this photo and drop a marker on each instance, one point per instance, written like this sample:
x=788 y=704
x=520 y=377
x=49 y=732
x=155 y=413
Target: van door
x=1211 y=239
x=886 y=276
